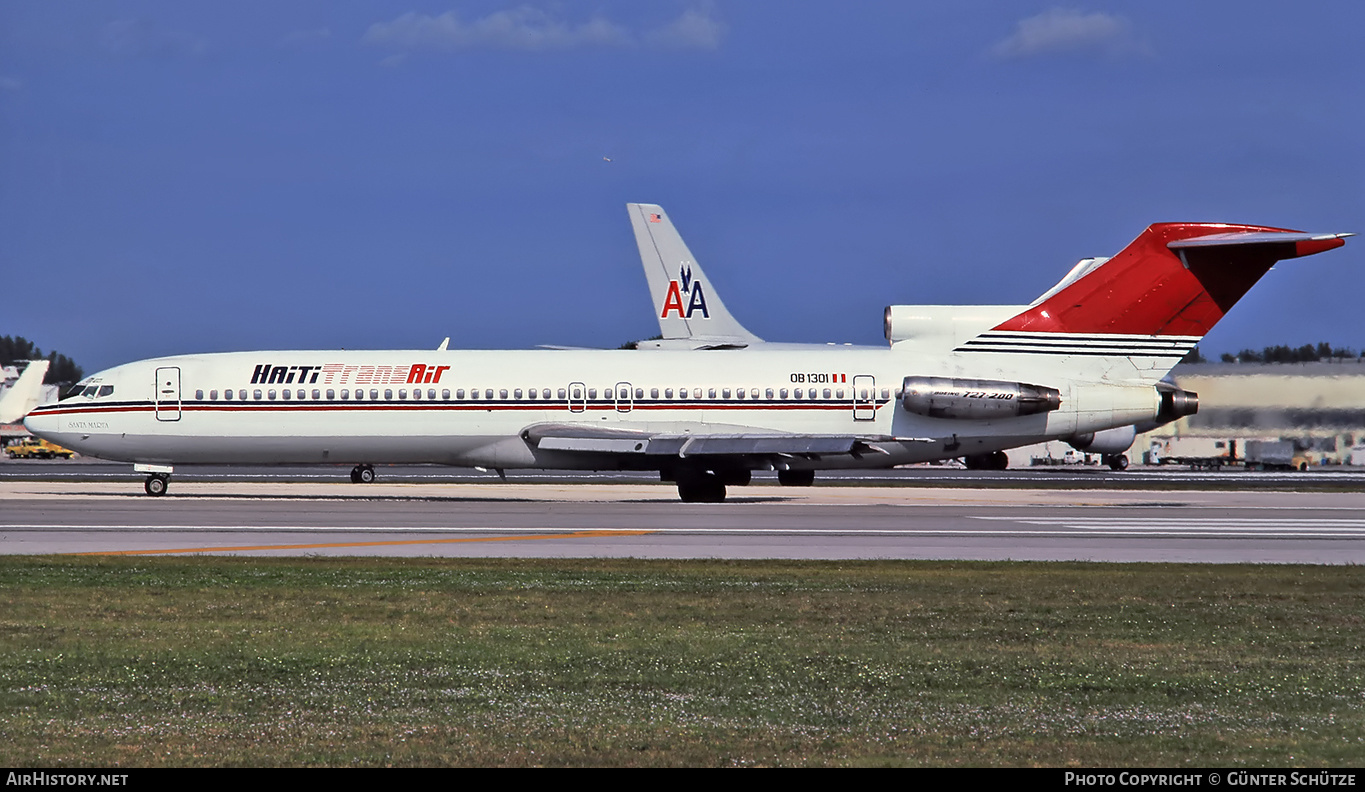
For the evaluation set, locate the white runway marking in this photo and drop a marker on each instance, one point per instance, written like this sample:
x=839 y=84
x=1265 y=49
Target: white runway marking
x=1325 y=528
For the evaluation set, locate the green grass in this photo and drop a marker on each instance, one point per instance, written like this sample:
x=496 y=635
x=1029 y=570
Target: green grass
x=224 y=661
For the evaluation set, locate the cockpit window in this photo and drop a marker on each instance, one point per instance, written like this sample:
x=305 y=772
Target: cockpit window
x=90 y=391
x=76 y=390
x=106 y=390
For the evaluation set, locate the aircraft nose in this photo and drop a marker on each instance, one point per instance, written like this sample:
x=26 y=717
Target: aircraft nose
x=40 y=424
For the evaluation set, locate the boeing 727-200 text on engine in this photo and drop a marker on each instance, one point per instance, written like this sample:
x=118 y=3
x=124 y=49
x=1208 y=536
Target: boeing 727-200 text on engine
x=1086 y=358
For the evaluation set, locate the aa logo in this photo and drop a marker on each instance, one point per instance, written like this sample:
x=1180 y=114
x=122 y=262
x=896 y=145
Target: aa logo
x=695 y=295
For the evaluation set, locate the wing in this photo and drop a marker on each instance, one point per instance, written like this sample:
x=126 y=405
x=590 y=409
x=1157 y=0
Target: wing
x=701 y=441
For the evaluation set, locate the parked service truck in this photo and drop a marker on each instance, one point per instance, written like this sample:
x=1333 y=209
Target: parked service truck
x=36 y=448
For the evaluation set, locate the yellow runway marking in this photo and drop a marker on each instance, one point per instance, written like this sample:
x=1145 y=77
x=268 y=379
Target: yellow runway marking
x=242 y=548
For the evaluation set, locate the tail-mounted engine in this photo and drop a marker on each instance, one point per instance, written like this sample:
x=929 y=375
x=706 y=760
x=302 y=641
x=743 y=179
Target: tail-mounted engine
x=942 y=397
x=1175 y=403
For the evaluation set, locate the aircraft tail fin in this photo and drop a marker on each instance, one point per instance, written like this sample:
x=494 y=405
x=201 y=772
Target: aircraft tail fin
x=1176 y=279
x=1154 y=300
x=24 y=394
x=685 y=304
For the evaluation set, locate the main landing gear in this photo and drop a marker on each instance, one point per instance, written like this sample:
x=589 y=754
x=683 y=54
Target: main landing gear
x=993 y=460
x=1116 y=461
x=701 y=488
x=156 y=483
x=362 y=474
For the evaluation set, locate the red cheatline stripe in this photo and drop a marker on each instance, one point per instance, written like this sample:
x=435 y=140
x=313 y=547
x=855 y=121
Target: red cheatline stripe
x=543 y=406
x=242 y=548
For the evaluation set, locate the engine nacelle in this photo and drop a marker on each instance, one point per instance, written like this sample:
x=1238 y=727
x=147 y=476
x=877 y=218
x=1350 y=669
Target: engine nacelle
x=1108 y=442
x=942 y=397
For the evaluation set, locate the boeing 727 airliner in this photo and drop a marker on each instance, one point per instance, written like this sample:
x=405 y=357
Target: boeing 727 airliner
x=1085 y=358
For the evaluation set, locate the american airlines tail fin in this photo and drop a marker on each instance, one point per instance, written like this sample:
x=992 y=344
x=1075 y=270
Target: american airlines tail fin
x=1153 y=301
x=24 y=394
x=691 y=314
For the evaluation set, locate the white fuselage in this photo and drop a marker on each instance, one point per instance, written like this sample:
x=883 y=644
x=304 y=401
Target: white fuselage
x=472 y=408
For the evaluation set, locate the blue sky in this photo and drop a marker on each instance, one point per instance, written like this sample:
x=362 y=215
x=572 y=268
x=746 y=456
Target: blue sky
x=185 y=177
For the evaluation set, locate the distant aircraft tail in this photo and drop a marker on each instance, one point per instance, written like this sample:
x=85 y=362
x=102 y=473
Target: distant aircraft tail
x=24 y=394
x=1156 y=298
x=685 y=303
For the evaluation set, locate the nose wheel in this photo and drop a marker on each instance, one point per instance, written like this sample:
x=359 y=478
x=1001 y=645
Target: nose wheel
x=156 y=484
x=362 y=474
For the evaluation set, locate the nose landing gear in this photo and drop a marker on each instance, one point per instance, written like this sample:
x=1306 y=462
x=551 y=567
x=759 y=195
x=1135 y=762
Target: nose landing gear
x=362 y=474
x=156 y=484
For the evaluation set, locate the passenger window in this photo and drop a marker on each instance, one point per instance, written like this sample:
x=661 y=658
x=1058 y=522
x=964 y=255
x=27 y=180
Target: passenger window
x=886 y=394
x=563 y=394
x=402 y=394
x=488 y=393
x=502 y=393
x=796 y=394
x=653 y=393
x=345 y=394
x=271 y=394
x=668 y=393
x=532 y=393
x=839 y=394
x=331 y=394
x=473 y=393
x=826 y=392
x=862 y=394
x=459 y=393
x=783 y=393
x=739 y=393
x=256 y=394
x=607 y=393
x=241 y=394
x=431 y=394
x=286 y=394
x=545 y=393
x=317 y=394
x=198 y=395
x=388 y=394
x=516 y=393
x=711 y=393
x=754 y=393
x=374 y=394
x=696 y=393
x=640 y=393
x=768 y=394
x=592 y=393
x=213 y=395
x=445 y=394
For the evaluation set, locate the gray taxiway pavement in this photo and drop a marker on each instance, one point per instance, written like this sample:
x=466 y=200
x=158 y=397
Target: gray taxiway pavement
x=293 y=514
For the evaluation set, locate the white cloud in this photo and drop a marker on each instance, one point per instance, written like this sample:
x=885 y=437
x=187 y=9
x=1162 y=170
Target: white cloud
x=1068 y=30
x=523 y=28
x=532 y=29
x=695 y=29
x=139 y=38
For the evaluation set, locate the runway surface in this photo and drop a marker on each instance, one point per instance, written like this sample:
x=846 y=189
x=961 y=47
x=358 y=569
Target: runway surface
x=68 y=511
